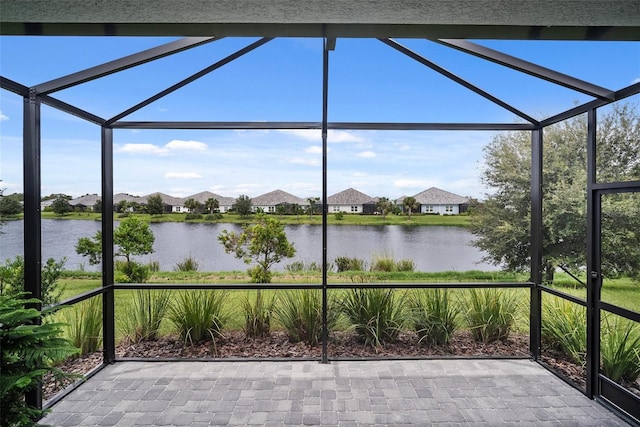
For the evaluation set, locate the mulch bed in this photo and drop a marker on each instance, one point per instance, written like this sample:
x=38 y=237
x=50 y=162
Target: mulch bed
x=341 y=345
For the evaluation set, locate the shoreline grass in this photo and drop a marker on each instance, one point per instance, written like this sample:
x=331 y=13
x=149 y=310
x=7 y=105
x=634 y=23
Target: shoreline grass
x=416 y=220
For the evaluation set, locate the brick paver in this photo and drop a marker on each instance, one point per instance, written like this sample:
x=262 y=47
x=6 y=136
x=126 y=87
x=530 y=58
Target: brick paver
x=364 y=393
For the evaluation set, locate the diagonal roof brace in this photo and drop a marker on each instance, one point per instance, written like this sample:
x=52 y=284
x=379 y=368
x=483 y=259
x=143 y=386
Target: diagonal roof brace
x=121 y=64
x=529 y=68
x=421 y=59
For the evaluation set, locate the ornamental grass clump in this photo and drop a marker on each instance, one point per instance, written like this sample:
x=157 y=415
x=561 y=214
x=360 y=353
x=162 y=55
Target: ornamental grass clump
x=143 y=314
x=620 y=350
x=257 y=314
x=433 y=315
x=84 y=325
x=299 y=311
x=199 y=315
x=187 y=264
x=377 y=315
x=490 y=313
x=564 y=328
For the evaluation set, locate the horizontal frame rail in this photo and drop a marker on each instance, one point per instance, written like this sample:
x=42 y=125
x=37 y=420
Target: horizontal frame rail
x=564 y=295
x=79 y=298
x=620 y=311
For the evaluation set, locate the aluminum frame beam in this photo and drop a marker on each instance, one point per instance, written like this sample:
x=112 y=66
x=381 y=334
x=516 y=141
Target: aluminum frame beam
x=424 y=61
x=13 y=86
x=529 y=68
x=191 y=79
x=121 y=64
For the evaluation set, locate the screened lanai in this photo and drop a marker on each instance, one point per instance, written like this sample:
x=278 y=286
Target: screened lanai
x=319 y=80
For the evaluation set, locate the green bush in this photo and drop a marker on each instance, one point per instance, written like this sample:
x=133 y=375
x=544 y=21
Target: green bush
x=135 y=272
x=377 y=315
x=84 y=325
x=213 y=217
x=257 y=315
x=405 y=265
x=339 y=216
x=199 y=315
x=300 y=313
x=434 y=315
x=490 y=313
x=154 y=266
x=26 y=351
x=620 y=350
x=344 y=263
x=301 y=267
x=383 y=263
x=143 y=314
x=192 y=216
x=564 y=328
x=188 y=264
x=12 y=279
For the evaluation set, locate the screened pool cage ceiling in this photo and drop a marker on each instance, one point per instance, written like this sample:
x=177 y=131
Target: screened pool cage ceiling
x=598 y=96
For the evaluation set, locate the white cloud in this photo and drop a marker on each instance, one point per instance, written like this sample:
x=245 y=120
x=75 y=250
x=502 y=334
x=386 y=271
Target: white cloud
x=178 y=144
x=366 y=154
x=316 y=135
x=314 y=149
x=3 y=117
x=303 y=161
x=412 y=183
x=171 y=146
x=634 y=81
x=142 y=149
x=343 y=136
x=218 y=187
x=404 y=147
x=182 y=175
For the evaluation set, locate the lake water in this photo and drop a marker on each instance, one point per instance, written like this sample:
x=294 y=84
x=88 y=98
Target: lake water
x=431 y=248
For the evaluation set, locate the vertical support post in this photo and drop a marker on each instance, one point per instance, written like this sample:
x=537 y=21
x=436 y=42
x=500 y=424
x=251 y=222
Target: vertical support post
x=108 y=304
x=325 y=97
x=32 y=220
x=594 y=278
x=535 y=314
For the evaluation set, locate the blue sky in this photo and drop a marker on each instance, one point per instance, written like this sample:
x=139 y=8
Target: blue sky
x=282 y=81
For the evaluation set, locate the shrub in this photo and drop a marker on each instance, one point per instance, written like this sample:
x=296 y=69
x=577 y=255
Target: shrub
x=26 y=351
x=199 y=314
x=300 y=313
x=383 y=263
x=339 y=216
x=257 y=315
x=620 y=350
x=84 y=325
x=301 y=266
x=154 y=266
x=144 y=313
x=188 y=264
x=564 y=328
x=490 y=313
x=135 y=272
x=192 y=216
x=12 y=279
x=434 y=315
x=405 y=265
x=344 y=263
x=213 y=217
x=377 y=315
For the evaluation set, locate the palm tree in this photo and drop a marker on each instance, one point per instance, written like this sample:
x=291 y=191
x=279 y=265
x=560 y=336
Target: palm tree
x=212 y=204
x=384 y=206
x=409 y=204
x=312 y=204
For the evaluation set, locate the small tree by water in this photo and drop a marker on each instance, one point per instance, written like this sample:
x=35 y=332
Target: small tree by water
x=264 y=242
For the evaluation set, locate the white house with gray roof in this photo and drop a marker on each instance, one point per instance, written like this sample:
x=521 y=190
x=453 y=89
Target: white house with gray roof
x=224 y=203
x=173 y=204
x=437 y=201
x=350 y=201
x=86 y=202
x=269 y=202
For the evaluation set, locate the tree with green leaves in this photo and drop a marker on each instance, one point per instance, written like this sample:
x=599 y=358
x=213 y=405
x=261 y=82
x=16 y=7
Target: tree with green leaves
x=132 y=237
x=384 y=206
x=97 y=206
x=61 y=206
x=193 y=205
x=409 y=204
x=155 y=205
x=243 y=205
x=212 y=205
x=502 y=222
x=313 y=201
x=264 y=242
x=10 y=205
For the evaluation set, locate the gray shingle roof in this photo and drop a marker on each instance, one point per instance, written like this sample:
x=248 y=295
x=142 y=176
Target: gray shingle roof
x=166 y=199
x=277 y=197
x=86 y=200
x=349 y=197
x=124 y=196
x=436 y=196
x=203 y=196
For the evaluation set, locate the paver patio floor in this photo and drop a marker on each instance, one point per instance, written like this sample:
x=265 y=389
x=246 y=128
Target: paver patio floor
x=345 y=393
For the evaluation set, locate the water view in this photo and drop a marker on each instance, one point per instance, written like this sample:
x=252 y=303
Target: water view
x=431 y=248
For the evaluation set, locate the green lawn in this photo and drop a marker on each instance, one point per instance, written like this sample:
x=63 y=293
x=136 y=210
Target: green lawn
x=347 y=219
